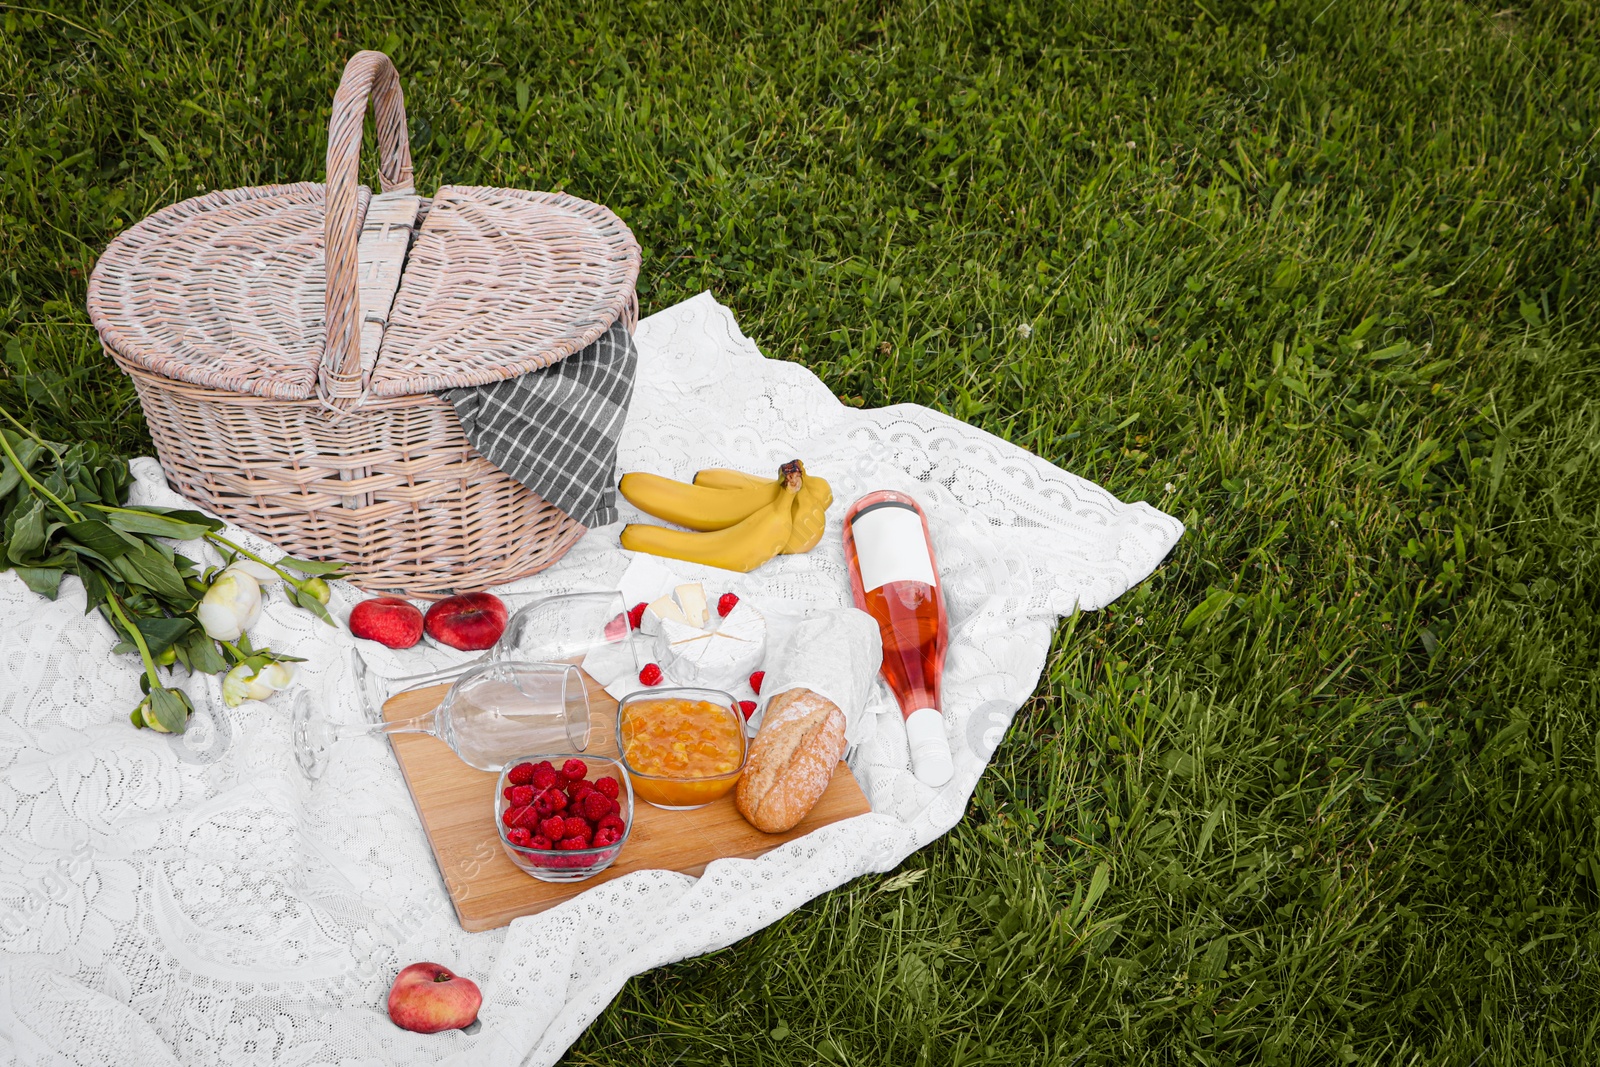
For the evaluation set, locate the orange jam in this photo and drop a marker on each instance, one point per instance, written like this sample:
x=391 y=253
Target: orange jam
x=675 y=746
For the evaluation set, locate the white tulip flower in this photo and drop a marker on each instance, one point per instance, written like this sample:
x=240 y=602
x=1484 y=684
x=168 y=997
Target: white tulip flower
x=243 y=683
x=231 y=606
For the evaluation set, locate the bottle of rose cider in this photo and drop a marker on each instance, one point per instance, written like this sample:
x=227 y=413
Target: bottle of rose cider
x=892 y=574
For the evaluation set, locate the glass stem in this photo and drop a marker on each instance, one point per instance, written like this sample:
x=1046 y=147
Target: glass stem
x=417 y=724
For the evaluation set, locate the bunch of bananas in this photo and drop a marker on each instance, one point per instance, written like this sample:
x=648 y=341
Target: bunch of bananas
x=740 y=520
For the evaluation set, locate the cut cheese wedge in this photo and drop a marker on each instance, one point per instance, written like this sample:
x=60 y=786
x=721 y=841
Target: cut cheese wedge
x=692 y=599
x=721 y=656
x=661 y=611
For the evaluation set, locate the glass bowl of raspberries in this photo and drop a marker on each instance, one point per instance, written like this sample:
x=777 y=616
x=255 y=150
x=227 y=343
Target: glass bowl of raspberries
x=563 y=817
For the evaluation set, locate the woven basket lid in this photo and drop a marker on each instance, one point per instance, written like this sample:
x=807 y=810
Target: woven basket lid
x=233 y=290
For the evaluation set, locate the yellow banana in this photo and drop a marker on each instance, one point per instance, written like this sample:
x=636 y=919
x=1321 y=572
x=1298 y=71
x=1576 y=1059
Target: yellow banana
x=724 y=478
x=810 y=507
x=698 y=507
x=741 y=547
x=810 y=515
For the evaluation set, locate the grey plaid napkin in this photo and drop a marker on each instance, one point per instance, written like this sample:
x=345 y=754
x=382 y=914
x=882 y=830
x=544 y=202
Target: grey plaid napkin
x=555 y=430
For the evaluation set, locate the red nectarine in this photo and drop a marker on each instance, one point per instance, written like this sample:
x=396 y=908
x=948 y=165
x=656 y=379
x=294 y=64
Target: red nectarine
x=387 y=620
x=427 y=998
x=469 y=621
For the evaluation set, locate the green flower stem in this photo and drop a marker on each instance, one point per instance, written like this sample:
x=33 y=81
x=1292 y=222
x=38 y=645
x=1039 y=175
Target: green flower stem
x=33 y=483
x=12 y=419
x=138 y=638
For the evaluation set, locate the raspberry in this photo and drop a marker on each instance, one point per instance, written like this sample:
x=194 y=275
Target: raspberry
x=725 y=604
x=551 y=802
x=636 y=614
x=521 y=774
x=756 y=679
x=577 y=827
x=522 y=795
x=747 y=708
x=611 y=822
x=519 y=837
x=544 y=775
x=506 y=792
x=602 y=838
x=607 y=786
x=617 y=628
x=570 y=843
x=574 y=769
x=527 y=816
x=651 y=675
x=510 y=816
x=554 y=827
x=596 y=806
x=541 y=841
x=579 y=789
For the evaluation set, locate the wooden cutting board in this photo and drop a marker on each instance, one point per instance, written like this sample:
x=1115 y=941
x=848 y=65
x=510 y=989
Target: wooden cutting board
x=456 y=803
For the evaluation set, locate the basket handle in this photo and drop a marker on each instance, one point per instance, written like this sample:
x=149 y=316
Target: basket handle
x=367 y=75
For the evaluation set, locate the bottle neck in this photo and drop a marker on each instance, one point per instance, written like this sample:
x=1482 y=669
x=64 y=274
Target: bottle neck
x=918 y=697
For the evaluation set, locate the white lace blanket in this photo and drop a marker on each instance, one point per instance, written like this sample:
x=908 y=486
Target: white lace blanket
x=195 y=901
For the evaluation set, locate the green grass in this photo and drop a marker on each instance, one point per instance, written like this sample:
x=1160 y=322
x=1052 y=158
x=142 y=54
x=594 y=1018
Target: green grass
x=1318 y=278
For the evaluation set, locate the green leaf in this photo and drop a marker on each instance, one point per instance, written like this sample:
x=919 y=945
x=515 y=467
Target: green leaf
x=257 y=661
x=26 y=448
x=1210 y=827
x=179 y=526
x=87 y=554
x=1210 y=606
x=85 y=483
x=171 y=708
x=1497 y=466
x=310 y=567
x=161 y=634
x=28 y=534
x=201 y=653
x=155 y=143
x=96 y=588
x=1287 y=276
x=1099 y=881
x=1277 y=200
x=9 y=478
x=145 y=567
x=100 y=538
x=311 y=604
x=113 y=480
x=46 y=581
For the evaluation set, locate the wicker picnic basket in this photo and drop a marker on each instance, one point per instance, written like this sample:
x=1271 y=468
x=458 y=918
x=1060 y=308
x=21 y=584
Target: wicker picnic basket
x=300 y=402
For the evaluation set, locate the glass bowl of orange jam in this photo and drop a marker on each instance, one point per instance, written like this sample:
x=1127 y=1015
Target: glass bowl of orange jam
x=682 y=748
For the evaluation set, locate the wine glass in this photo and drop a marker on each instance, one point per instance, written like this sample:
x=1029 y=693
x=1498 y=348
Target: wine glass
x=577 y=628
x=492 y=713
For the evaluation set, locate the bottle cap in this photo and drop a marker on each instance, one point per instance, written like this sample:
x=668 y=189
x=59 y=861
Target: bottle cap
x=930 y=749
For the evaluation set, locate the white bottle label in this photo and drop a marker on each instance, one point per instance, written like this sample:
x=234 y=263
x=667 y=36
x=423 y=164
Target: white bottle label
x=891 y=546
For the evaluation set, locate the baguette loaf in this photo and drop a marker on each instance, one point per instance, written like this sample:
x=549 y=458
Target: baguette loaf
x=791 y=761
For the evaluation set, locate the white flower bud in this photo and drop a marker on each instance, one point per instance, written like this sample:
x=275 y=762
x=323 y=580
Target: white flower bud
x=243 y=684
x=231 y=606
